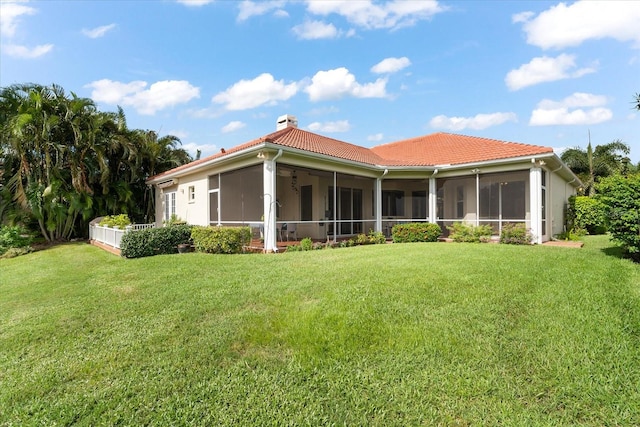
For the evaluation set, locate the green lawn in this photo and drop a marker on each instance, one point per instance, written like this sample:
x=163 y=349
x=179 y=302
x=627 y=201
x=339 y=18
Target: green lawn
x=399 y=334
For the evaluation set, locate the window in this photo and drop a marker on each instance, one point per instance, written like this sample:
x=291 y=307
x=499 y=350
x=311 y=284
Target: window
x=349 y=208
x=393 y=203
x=460 y=201
x=192 y=193
x=169 y=205
x=306 y=197
x=419 y=204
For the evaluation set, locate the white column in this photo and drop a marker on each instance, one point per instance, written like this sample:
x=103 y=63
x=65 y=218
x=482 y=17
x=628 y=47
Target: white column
x=379 y=204
x=269 y=205
x=535 y=204
x=433 y=200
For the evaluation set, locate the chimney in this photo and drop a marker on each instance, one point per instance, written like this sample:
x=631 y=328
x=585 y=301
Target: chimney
x=286 y=121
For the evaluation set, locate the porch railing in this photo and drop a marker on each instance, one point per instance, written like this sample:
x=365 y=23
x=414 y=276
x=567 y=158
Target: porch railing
x=112 y=236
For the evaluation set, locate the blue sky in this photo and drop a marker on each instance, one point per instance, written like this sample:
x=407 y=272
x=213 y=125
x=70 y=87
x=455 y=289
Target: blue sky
x=219 y=73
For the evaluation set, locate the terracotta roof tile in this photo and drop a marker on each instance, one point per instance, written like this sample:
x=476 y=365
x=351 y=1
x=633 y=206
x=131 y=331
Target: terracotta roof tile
x=450 y=149
x=430 y=150
x=308 y=141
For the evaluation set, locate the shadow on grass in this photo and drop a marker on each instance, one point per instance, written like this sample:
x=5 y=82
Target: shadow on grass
x=615 y=251
x=619 y=252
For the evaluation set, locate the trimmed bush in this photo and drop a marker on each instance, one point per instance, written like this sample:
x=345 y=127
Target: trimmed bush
x=361 y=239
x=221 y=240
x=14 y=237
x=377 y=237
x=415 y=232
x=115 y=221
x=621 y=195
x=154 y=241
x=515 y=234
x=588 y=213
x=468 y=233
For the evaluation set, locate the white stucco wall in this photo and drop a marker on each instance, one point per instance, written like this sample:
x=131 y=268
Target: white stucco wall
x=559 y=193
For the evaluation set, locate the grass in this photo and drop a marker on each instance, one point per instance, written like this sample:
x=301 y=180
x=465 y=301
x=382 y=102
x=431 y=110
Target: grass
x=402 y=334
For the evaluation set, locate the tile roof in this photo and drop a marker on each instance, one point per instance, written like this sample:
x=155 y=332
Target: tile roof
x=430 y=150
x=308 y=141
x=450 y=149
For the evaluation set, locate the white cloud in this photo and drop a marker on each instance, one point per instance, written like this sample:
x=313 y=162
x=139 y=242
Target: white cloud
x=94 y=33
x=545 y=69
x=314 y=30
x=391 y=65
x=9 y=14
x=480 y=121
x=233 y=126
x=158 y=96
x=376 y=137
x=181 y=134
x=366 y=14
x=570 y=25
x=262 y=90
x=522 y=17
x=205 y=149
x=578 y=99
x=195 y=3
x=577 y=109
x=330 y=127
x=25 y=52
x=337 y=83
x=254 y=8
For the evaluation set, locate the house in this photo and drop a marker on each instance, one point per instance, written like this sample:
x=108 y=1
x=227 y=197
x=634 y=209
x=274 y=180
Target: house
x=295 y=183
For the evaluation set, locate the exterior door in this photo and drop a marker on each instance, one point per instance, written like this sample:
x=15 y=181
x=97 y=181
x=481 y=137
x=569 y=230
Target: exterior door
x=214 y=207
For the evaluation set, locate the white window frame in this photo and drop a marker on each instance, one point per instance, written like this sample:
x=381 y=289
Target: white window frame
x=191 y=191
x=169 y=205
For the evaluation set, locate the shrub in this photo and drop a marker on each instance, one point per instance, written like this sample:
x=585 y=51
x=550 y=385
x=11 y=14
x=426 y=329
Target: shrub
x=13 y=237
x=221 y=240
x=621 y=195
x=361 y=239
x=14 y=252
x=415 y=232
x=377 y=237
x=154 y=241
x=293 y=248
x=573 y=235
x=174 y=220
x=461 y=232
x=306 y=244
x=115 y=221
x=587 y=213
x=515 y=234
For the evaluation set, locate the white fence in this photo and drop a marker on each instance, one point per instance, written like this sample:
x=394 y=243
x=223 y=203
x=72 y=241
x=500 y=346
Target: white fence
x=112 y=236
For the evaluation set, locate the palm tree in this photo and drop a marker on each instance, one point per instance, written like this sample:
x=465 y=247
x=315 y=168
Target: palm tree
x=63 y=161
x=590 y=165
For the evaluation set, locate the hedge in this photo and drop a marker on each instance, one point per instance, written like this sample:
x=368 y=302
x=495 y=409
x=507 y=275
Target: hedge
x=468 y=233
x=515 y=234
x=154 y=241
x=220 y=240
x=415 y=232
x=621 y=195
x=587 y=213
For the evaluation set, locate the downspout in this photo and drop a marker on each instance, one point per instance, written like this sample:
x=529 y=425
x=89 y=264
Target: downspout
x=379 y=200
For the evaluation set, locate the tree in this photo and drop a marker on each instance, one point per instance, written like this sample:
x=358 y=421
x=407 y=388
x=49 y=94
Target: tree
x=64 y=162
x=590 y=165
x=621 y=195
